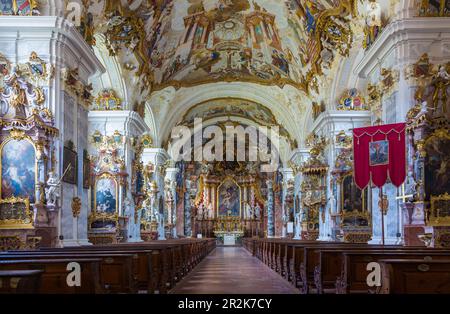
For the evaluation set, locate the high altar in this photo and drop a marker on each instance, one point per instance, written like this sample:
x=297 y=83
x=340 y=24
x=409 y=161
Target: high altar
x=228 y=205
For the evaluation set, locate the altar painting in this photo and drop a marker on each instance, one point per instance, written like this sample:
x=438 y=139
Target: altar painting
x=106 y=195
x=229 y=199
x=437 y=164
x=352 y=197
x=18 y=170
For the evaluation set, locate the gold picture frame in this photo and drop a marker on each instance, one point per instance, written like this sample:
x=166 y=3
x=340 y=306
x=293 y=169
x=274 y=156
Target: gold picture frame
x=23 y=223
x=435 y=219
x=363 y=193
x=106 y=176
x=228 y=178
x=18 y=135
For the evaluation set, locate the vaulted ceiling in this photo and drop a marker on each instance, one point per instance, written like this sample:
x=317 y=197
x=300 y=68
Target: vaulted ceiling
x=175 y=54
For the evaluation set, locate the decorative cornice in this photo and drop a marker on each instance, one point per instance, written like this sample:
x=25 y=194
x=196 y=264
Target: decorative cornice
x=418 y=29
x=46 y=27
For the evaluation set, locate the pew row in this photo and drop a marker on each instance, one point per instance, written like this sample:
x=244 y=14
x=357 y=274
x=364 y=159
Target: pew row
x=146 y=267
x=316 y=267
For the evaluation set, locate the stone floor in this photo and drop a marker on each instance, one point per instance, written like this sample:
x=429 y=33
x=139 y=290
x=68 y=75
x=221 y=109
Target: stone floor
x=233 y=270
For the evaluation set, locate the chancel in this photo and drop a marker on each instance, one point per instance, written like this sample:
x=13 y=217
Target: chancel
x=221 y=147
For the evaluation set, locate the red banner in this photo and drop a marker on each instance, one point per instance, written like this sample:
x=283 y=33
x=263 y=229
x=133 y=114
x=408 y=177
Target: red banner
x=379 y=153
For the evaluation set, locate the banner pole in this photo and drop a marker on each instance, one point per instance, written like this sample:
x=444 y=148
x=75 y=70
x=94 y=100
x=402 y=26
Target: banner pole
x=382 y=215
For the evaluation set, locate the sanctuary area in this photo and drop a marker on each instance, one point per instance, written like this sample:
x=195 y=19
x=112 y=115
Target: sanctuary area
x=225 y=146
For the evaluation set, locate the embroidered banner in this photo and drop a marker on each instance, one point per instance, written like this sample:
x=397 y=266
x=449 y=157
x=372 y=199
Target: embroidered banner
x=379 y=153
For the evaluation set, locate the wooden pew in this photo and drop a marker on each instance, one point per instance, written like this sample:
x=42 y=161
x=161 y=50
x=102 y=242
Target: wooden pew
x=20 y=281
x=311 y=268
x=118 y=271
x=165 y=267
x=354 y=274
x=55 y=274
x=331 y=262
x=154 y=266
x=155 y=275
x=415 y=276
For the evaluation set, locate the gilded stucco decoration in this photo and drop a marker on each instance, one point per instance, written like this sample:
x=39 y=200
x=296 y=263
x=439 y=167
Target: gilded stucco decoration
x=191 y=42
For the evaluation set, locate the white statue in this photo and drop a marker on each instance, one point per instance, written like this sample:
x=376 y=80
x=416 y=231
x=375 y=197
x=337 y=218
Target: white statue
x=168 y=188
x=410 y=186
x=443 y=74
x=210 y=211
x=134 y=221
x=257 y=211
x=200 y=211
x=128 y=207
x=373 y=14
x=53 y=190
x=248 y=211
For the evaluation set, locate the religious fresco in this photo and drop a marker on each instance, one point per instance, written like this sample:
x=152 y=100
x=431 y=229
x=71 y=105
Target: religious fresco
x=323 y=30
x=234 y=40
x=229 y=199
x=237 y=108
x=18 y=170
x=190 y=42
x=224 y=107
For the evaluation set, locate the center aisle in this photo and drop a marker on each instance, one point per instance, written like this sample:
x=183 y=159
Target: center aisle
x=233 y=270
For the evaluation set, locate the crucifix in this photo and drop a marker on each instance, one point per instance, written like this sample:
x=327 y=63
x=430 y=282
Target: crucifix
x=403 y=195
x=404 y=198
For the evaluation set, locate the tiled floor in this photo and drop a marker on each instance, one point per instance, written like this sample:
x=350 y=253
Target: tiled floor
x=232 y=270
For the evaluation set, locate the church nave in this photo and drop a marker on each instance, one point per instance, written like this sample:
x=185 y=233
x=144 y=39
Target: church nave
x=233 y=270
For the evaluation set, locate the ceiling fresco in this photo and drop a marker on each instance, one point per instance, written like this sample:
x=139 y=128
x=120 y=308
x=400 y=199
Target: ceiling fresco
x=184 y=43
x=241 y=108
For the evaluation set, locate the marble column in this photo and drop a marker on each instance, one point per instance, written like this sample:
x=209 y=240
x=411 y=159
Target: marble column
x=157 y=157
x=288 y=175
x=171 y=174
x=270 y=210
x=187 y=212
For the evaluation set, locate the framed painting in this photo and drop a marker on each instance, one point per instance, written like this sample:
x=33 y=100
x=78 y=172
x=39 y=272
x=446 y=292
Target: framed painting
x=15 y=213
x=379 y=153
x=437 y=167
x=6 y=7
x=103 y=224
x=106 y=195
x=86 y=172
x=229 y=199
x=352 y=198
x=18 y=169
x=70 y=161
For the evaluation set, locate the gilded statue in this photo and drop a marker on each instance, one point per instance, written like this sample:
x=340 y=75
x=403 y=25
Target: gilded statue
x=441 y=82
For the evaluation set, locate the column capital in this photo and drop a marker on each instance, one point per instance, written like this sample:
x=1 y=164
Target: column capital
x=171 y=173
x=157 y=156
